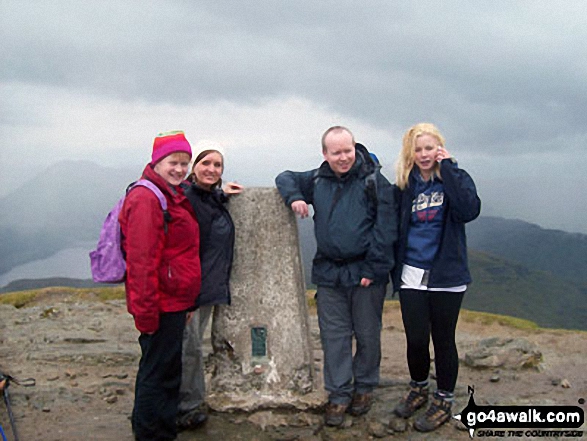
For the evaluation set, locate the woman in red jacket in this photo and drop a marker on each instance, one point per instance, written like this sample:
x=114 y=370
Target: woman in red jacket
x=162 y=283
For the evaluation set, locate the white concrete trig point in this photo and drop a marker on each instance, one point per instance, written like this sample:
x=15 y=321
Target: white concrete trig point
x=262 y=351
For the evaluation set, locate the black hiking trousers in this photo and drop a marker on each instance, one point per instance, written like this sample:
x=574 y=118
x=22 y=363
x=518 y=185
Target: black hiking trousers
x=432 y=313
x=158 y=380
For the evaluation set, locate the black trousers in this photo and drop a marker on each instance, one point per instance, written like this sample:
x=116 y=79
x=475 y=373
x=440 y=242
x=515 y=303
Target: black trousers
x=426 y=313
x=158 y=380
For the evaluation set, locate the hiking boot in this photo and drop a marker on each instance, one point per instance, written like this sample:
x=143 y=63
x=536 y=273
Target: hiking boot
x=191 y=420
x=437 y=414
x=361 y=404
x=416 y=398
x=334 y=414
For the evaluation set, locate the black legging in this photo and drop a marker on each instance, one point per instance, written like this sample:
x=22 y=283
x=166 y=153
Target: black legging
x=436 y=313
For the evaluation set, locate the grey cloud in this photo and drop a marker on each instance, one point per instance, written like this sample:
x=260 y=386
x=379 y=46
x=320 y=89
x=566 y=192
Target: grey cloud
x=505 y=72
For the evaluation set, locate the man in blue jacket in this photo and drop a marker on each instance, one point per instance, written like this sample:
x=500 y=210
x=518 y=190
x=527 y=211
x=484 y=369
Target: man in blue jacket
x=355 y=227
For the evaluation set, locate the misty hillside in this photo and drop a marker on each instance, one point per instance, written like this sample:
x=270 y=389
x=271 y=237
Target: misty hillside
x=505 y=287
x=562 y=254
x=63 y=205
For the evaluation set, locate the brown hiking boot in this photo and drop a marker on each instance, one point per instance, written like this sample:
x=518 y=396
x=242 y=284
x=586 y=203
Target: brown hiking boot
x=416 y=398
x=334 y=414
x=361 y=404
x=437 y=414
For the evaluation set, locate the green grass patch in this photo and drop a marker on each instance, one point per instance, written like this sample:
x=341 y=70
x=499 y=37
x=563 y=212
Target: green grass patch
x=111 y=293
x=21 y=299
x=18 y=299
x=311 y=298
x=486 y=318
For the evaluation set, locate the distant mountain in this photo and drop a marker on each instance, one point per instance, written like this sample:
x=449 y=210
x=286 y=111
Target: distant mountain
x=26 y=284
x=562 y=254
x=60 y=207
x=505 y=287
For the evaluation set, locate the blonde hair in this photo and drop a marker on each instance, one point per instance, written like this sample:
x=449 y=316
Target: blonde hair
x=405 y=161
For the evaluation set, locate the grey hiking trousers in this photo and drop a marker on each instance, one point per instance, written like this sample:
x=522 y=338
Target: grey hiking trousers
x=342 y=314
x=192 y=393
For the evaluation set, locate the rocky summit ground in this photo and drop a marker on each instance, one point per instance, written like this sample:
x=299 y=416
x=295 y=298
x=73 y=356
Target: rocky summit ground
x=83 y=356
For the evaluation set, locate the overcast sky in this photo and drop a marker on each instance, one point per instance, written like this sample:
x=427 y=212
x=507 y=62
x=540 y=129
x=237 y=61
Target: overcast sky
x=504 y=81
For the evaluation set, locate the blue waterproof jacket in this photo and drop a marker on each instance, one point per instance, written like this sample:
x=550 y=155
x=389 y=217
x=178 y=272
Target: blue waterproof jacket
x=355 y=230
x=450 y=265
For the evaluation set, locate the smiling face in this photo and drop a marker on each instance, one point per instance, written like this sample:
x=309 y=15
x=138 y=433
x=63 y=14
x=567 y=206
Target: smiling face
x=173 y=168
x=425 y=149
x=339 y=151
x=208 y=170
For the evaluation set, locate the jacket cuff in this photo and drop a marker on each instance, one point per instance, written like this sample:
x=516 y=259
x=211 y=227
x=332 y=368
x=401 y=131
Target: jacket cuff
x=293 y=198
x=367 y=273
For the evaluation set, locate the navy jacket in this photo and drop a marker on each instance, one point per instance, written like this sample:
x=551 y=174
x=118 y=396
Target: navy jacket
x=354 y=233
x=216 y=244
x=450 y=265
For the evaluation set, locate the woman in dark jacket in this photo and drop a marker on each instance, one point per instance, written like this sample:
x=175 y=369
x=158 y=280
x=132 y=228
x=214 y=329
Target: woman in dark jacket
x=216 y=251
x=435 y=200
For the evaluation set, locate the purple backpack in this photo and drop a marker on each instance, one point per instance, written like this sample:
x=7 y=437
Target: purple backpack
x=107 y=261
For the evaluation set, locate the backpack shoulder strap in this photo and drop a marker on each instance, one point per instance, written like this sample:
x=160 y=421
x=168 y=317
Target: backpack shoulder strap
x=153 y=188
x=371 y=186
x=158 y=193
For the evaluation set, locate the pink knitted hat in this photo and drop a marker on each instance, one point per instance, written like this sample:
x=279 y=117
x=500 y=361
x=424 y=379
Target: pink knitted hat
x=167 y=143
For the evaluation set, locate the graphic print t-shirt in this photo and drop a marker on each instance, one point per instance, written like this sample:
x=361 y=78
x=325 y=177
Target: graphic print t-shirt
x=425 y=223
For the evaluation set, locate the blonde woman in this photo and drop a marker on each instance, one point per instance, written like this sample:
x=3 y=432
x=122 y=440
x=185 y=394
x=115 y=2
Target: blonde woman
x=435 y=199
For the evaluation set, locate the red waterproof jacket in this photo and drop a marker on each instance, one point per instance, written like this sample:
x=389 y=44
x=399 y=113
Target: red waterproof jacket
x=163 y=271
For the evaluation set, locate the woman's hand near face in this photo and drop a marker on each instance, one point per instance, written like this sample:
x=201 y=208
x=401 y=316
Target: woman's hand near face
x=442 y=153
x=233 y=188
